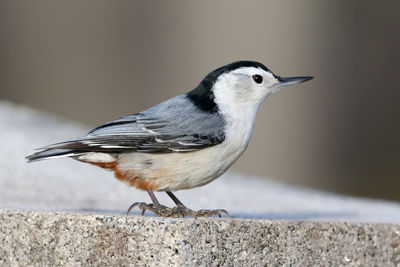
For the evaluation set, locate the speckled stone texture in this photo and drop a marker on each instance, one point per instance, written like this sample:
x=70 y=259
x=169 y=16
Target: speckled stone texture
x=50 y=239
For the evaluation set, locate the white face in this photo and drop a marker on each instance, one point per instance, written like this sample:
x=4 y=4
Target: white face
x=244 y=86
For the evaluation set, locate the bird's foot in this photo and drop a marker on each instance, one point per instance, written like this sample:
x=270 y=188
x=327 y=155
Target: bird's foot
x=180 y=211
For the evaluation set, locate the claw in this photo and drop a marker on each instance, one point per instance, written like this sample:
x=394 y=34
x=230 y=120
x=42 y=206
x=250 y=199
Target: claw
x=131 y=207
x=143 y=211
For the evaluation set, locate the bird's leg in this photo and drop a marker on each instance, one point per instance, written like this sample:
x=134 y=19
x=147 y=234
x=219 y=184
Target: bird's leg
x=179 y=211
x=155 y=207
x=184 y=211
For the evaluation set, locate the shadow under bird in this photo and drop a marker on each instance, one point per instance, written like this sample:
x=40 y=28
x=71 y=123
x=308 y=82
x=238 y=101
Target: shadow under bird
x=184 y=142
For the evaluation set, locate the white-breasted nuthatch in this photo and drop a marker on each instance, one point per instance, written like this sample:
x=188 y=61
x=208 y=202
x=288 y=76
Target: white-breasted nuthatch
x=184 y=142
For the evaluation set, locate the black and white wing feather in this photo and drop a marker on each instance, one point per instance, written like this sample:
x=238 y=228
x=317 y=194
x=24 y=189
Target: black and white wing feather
x=175 y=125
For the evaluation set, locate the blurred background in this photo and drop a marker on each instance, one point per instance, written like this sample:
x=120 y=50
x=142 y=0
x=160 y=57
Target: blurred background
x=93 y=61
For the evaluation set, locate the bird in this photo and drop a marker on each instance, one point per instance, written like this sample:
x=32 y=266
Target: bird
x=184 y=142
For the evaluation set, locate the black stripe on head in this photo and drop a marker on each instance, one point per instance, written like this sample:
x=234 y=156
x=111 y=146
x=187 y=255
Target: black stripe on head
x=203 y=96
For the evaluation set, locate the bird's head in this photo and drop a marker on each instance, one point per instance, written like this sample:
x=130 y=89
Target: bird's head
x=239 y=85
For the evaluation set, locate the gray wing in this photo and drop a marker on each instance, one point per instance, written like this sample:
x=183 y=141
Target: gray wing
x=175 y=125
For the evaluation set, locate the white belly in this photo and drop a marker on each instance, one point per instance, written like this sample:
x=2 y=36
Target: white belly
x=176 y=171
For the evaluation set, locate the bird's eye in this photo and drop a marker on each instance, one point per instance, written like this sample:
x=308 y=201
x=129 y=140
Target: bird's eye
x=257 y=78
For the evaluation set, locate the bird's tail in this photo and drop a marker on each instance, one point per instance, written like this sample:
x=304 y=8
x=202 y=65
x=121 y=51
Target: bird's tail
x=53 y=153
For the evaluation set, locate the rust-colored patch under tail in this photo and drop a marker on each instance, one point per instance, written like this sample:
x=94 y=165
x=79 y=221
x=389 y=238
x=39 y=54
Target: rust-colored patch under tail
x=129 y=177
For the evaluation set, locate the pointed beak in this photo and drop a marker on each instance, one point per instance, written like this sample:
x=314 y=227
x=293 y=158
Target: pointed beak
x=285 y=81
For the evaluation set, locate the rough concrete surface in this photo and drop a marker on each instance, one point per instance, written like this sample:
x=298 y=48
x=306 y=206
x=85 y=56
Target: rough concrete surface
x=55 y=239
x=314 y=227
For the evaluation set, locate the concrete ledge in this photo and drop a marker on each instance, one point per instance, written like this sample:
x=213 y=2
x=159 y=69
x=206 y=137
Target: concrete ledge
x=44 y=238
